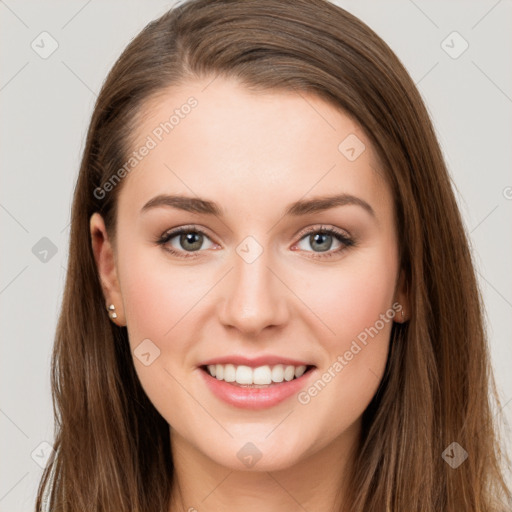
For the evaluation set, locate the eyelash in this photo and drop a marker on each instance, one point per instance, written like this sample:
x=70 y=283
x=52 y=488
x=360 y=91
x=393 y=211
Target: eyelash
x=342 y=238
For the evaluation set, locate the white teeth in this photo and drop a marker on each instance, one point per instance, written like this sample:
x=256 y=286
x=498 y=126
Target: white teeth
x=300 y=370
x=262 y=375
x=289 y=373
x=244 y=375
x=278 y=373
x=229 y=373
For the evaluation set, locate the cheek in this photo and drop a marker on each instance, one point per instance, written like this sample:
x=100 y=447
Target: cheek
x=156 y=294
x=357 y=307
x=159 y=304
x=362 y=300
x=354 y=297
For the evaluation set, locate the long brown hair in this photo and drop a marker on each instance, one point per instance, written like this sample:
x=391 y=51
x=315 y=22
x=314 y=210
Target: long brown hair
x=112 y=447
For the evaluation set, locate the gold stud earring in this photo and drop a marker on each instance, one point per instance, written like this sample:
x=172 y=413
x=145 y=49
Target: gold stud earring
x=112 y=311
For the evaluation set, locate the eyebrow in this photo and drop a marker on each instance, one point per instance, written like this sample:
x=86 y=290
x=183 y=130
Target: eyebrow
x=296 y=209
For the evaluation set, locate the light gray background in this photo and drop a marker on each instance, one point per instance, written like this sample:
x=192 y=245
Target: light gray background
x=46 y=106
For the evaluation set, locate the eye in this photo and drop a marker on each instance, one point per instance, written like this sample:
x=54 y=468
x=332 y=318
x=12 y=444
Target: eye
x=321 y=239
x=188 y=239
x=185 y=241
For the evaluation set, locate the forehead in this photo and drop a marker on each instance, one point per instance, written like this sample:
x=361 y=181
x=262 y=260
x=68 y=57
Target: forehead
x=218 y=139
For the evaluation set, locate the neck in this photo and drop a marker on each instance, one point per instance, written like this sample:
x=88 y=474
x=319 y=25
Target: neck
x=315 y=482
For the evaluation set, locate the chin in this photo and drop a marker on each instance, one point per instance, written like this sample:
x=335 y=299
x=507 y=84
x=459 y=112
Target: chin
x=255 y=453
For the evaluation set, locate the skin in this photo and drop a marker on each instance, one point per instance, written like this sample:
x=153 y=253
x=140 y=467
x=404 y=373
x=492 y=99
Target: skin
x=254 y=154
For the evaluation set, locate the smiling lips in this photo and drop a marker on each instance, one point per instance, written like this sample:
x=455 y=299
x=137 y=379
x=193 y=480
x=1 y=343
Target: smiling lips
x=255 y=383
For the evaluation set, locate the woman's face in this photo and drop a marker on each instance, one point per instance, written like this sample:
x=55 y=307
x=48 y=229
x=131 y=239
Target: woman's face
x=260 y=284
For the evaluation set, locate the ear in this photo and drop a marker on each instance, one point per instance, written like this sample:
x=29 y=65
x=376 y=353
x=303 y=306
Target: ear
x=402 y=297
x=106 y=265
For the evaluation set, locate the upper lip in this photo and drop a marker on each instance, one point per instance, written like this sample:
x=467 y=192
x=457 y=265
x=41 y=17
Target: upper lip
x=270 y=360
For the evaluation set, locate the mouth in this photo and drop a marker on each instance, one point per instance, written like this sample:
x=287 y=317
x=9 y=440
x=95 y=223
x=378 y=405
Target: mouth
x=264 y=376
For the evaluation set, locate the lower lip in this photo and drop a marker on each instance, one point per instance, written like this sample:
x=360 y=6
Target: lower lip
x=255 y=398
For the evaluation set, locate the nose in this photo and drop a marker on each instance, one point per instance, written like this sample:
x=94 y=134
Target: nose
x=254 y=297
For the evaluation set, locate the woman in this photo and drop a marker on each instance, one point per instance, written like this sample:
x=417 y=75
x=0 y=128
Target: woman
x=270 y=300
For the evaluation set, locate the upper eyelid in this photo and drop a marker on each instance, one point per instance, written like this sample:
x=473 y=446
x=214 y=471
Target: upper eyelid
x=324 y=227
